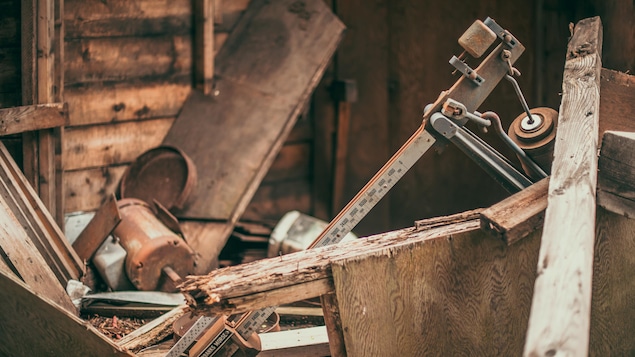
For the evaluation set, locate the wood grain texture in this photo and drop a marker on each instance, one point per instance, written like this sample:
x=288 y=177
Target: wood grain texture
x=212 y=292
x=103 y=145
x=560 y=316
x=41 y=218
x=87 y=190
x=617 y=101
x=40 y=328
x=612 y=310
x=152 y=332
x=333 y=322
x=17 y=250
x=28 y=118
x=127 y=58
x=106 y=219
x=283 y=51
x=465 y=294
x=616 y=179
x=518 y=215
x=207 y=239
x=92 y=19
x=272 y=200
x=97 y=103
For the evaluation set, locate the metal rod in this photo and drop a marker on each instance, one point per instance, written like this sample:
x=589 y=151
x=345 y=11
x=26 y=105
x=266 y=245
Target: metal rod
x=523 y=102
x=521 y=154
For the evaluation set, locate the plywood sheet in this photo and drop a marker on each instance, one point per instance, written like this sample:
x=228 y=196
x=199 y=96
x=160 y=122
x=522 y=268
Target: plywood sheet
x=265 y=72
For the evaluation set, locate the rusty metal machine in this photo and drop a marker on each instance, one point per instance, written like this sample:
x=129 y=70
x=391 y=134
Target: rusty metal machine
x=143 y=252
x=443 y=122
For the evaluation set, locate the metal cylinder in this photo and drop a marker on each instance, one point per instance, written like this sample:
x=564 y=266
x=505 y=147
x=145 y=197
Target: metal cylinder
x=152 y=249
x=536 y=137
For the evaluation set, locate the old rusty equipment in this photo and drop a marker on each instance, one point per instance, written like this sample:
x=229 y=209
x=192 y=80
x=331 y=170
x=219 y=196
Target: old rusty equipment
x=143 y=250
x=443 y=121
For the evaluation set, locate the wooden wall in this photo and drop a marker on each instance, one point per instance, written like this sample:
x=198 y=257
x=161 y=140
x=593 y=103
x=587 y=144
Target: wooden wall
x=128 y=70
x=10 y=87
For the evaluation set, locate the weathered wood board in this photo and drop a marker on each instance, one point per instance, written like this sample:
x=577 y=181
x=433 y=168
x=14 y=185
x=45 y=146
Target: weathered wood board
x=616 y=178
x=34 y=217
x=120 y=143
x=35 y=326
x=617 y=101
x=560 y=315
x=283 y=48
x=33 y=117
x=464 y=295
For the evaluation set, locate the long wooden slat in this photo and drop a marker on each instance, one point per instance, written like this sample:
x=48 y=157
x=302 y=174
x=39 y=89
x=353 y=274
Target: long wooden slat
x=16 y=248
x=39 y=216
x=127 y=58
x=271 y=80
x=442 y=293
x=98 y=103
x=106 y=219
x=518 y=215
x=560 y=315
x=220 y=290
x=32 y=117
x=102 y=145
x=33 y=325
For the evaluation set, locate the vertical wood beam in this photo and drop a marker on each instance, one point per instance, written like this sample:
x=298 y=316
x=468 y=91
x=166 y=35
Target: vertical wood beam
x=204 y=45
x=42 y=82
x=559 y=321
x=333 y=325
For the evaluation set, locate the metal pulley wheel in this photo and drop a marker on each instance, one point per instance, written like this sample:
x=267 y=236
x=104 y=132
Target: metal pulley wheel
x=536 y=136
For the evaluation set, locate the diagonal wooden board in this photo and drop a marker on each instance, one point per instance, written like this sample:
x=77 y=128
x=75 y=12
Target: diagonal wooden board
x=33 y=325
x=264 y=75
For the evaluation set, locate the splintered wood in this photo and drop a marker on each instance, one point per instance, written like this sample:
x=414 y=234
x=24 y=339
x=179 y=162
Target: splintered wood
x=297 y=276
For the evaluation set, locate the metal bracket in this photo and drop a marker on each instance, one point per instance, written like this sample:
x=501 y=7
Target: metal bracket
x=466 y=70
x=503 y=34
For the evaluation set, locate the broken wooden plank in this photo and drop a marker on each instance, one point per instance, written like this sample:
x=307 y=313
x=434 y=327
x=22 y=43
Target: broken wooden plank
x=471 y=296
x=518 y=215
x=616 y=178
x=560 y=315
x=153 y=332
x=35 y=326
x=32 y=117
x=296 y=276
x=283 y=50
x=106 y=219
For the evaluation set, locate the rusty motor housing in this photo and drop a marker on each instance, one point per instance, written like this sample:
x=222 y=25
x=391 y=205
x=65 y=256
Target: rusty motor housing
x=151 y=247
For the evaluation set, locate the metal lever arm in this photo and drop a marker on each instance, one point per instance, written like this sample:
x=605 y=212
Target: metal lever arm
x=490 y=160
